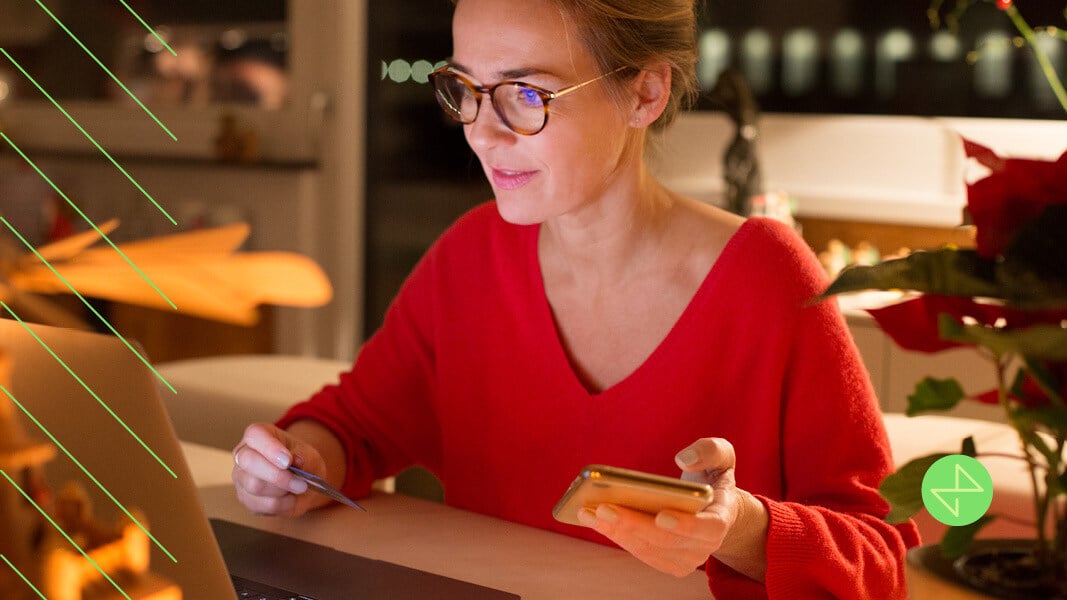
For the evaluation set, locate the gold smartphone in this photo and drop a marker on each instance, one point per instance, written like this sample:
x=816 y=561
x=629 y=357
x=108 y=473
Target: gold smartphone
x=600 y=484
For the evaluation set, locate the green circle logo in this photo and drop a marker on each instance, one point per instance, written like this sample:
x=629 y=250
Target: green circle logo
x=957 y=490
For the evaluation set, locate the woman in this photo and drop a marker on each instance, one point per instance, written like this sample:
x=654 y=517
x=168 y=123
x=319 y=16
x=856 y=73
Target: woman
x=591 y=315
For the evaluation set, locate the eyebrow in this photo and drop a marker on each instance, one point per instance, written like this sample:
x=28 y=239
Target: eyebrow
x=508 y=74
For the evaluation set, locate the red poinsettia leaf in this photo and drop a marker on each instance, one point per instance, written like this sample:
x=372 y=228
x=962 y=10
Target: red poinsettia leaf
x=1016 y=192
x=913 y=324
x=990 y=397
x=1040 y=378
x=985 y=156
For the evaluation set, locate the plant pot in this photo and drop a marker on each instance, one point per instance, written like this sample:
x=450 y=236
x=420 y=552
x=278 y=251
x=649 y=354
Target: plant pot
x=1001 y=568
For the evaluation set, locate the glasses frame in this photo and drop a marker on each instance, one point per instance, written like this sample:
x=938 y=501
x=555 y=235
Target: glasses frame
x=482 y=90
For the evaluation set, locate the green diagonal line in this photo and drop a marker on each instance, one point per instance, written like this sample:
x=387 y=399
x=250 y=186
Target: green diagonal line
x=106 y=70
x=87 y=136
x=19 y=573
x=146 y=26
x=89 y=306
x=88 y=220
x=64 y=533
x=86 y=471
x=88 y=389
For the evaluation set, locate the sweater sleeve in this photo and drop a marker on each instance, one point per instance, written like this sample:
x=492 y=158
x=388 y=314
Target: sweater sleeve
x=382 y=410
x=827 y=537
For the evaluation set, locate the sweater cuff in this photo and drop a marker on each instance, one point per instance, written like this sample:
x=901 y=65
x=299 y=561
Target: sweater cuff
x=788 y=542
x=788 y=550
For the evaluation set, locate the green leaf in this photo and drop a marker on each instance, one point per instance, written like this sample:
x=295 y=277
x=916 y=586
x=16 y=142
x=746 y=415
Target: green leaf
x=1032 y=439
x=948 y=271
x=1047 y=342
x=934 y=394
x=903 y=489
x=968 y=448
x=957 y=539
x=1053 y=487
x=1052 y=417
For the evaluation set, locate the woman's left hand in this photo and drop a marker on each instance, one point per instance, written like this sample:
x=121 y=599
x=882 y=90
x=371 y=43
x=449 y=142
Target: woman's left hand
x=733 y=527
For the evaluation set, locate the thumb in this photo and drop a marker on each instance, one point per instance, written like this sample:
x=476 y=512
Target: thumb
x=707 y=454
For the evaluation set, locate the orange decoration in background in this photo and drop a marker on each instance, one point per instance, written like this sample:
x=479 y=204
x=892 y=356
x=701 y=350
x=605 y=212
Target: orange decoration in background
x=200 y=271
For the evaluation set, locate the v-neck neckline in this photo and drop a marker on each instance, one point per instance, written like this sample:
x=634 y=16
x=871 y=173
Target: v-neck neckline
x=554 y=343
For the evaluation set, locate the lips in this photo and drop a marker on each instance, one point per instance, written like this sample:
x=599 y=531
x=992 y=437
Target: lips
x=505 y=179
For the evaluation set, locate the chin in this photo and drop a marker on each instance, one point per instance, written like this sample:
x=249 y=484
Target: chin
x=516 y=211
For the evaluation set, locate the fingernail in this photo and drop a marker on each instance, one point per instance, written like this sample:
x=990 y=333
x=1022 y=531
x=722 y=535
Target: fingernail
x=587 y=517
x=298 y=486
x=282 y=460
x=687 y=457
x=607 y=513
x=666 y=521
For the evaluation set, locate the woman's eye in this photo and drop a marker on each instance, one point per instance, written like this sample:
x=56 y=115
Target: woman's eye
x=530 y=98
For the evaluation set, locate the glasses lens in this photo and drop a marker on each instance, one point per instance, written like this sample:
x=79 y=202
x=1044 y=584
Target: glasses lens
x=455 y=97
x=521 y=107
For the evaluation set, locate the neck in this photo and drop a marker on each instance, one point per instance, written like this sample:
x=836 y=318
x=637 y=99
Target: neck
x=611 y=238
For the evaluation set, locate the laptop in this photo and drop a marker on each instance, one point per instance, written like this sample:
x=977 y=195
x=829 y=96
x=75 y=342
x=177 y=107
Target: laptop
x=135 y=454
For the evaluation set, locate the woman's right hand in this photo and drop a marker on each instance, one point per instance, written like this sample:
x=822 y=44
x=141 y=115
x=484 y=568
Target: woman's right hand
x=261 y=475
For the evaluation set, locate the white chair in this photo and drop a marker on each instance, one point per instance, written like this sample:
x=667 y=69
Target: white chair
x=217 y=397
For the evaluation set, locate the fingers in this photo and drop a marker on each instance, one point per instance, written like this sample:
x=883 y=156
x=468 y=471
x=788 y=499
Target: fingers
x=709 y=455
x=268 y=441
x=261 y=479
x=672 y=542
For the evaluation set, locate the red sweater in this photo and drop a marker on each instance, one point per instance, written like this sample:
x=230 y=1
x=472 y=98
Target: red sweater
x=467 y=377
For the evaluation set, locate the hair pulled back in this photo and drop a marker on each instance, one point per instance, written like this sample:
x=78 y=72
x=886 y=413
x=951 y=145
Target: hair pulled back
x=638 y=33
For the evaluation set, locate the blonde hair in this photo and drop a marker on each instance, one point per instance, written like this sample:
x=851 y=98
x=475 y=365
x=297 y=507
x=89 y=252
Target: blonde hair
x=637 y=33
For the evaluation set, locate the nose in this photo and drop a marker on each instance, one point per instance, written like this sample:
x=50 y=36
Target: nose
x=488 y=130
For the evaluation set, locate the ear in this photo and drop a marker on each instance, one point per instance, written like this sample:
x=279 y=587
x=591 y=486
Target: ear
x=651 y=90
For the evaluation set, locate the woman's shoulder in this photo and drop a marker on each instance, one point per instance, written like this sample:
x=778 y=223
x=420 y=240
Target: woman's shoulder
x=776 y=252
x=756 y=249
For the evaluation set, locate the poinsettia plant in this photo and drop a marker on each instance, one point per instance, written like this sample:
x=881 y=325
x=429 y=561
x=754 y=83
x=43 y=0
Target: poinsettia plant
x=1006 y=298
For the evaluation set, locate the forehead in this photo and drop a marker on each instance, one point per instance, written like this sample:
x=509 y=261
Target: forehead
x=494 y=37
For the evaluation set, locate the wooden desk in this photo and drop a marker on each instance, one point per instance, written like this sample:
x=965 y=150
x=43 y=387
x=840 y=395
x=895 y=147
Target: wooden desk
x=533 y=563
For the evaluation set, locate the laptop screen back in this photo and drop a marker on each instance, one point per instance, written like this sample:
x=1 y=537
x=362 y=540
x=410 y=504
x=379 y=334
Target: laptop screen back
x=116 y=428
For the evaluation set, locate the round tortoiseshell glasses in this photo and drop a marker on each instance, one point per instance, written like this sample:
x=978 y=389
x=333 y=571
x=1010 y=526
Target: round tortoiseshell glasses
x=523 y=107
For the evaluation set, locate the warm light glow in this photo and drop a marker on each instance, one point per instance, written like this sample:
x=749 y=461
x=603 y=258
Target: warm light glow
x=895 y=46
x=205 y=276
x=800 y=56
x=993 y=67
x=757 y=60
x=846 y=67
x=945 y=46
x=714 y=57
x=232 y=39
x=1039 y=85
x=153 y=43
